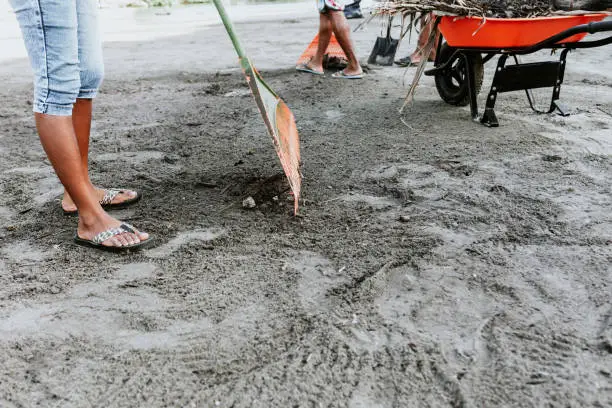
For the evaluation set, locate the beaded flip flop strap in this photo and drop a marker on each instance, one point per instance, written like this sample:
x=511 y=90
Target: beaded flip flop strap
x=108 y=234
x=128 y=228
x=109 y=196
x=111 y=232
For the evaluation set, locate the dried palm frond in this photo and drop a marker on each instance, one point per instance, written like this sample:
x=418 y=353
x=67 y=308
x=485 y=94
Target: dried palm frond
x=485 y=8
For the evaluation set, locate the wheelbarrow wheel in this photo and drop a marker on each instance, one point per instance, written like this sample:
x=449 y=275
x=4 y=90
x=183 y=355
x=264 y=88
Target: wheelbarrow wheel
x=452 y=83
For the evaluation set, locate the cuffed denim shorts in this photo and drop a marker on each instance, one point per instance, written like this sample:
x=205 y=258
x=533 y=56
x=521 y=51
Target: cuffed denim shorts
x=65 y=49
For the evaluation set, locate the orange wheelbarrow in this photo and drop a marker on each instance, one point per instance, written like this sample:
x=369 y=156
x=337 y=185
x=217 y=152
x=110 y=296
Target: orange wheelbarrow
x=472 y=41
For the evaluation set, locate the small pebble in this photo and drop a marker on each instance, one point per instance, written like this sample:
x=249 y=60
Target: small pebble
x=404 y=218
x=249 y=202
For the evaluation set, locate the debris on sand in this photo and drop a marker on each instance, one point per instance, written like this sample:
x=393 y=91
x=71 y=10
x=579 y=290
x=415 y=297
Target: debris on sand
x=249 y=203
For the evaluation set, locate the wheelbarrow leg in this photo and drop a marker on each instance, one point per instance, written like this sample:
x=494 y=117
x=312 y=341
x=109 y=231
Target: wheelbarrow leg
x=471 y=82
x=489 y=118
x=554 y=103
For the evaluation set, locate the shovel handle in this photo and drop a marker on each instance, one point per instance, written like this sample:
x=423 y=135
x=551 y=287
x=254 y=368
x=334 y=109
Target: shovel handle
x=230 y=28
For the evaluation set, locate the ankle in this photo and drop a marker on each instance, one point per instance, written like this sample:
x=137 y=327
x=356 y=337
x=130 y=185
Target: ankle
x=91 y=217
x=316 y=62
x=353 y=67
x=89 y=185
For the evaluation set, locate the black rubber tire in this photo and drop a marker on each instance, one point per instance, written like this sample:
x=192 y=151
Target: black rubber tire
x=452 y=83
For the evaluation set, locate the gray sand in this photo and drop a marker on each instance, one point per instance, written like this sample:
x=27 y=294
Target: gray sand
x=436 y=264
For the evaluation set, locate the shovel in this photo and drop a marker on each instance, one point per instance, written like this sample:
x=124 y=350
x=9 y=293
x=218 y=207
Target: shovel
x=384 y=49
x=277 y=116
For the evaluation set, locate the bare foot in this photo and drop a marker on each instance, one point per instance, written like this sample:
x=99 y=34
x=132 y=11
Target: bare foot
x=415 y=59
x=311 y=67
x=124 y=195
x=353 y=69
x=89 y=228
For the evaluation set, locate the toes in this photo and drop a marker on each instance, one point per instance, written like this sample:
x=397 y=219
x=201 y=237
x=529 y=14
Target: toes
x=123 y=240
x=124 y=195
x=127 y=194
x=67 y=206
x=128 y=238
x=112 y=242
x=132 y=239
x=141 y=236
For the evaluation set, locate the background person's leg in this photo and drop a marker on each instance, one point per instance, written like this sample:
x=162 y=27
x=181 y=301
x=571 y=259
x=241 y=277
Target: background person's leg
x=342 y=30
x=325 y=32
x=427 y=25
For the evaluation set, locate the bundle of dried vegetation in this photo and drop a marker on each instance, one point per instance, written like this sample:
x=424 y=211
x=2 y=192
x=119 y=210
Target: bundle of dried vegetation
x=486 y=8
x=490 y=8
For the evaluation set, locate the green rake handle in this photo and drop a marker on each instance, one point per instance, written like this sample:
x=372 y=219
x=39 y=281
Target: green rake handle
x=230 y=28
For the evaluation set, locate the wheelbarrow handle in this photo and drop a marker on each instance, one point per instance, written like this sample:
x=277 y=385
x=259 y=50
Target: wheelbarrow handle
x=599 y=27
x=590 y=28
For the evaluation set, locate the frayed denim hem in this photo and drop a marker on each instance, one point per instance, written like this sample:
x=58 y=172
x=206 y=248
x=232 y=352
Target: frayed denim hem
x=52 y=109
x=88 y=93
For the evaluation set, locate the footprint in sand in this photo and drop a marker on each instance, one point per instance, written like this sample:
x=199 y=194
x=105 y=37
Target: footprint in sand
x=23 y=252
x=6 y=214
x=99 y=309
x=48 y=186
x=317 y=277
x=117 y=311
x=183 y=239
x=131 y=157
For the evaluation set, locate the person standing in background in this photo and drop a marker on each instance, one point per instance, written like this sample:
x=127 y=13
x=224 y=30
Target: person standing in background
x=427 y=26
x=332 y=20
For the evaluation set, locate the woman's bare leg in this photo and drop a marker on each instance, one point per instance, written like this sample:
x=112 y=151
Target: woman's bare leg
x=81 y=121
x=60 y=143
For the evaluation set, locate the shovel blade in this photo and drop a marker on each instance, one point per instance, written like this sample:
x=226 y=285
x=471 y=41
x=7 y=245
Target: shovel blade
x=280 y=122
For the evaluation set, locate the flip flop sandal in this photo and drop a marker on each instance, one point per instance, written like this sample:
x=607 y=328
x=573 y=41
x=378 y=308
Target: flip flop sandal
x=107 y=201
x=306 y=68
x=404 y=62
x=97 y=241
x=343 y=75
x=408 y=62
